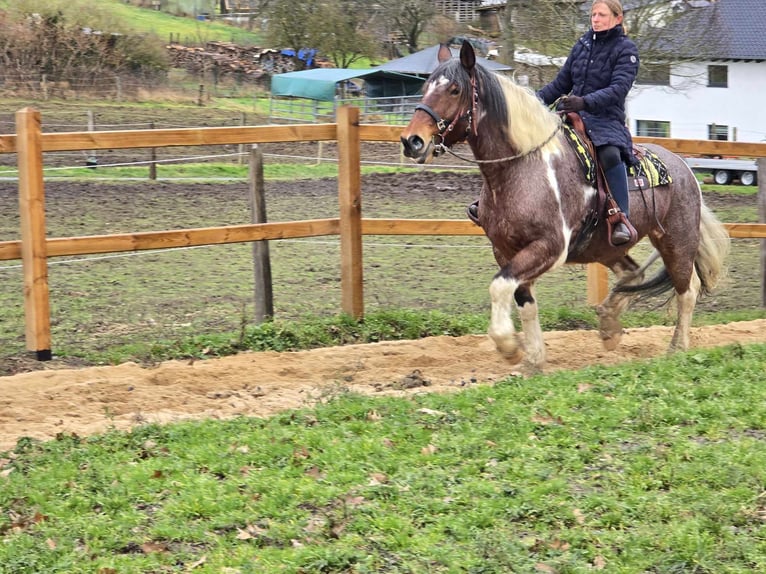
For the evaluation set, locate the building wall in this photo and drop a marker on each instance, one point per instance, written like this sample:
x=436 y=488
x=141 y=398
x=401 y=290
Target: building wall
x=460 y=10
x=691 y=106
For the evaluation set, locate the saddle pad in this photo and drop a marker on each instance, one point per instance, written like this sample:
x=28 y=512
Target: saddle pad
x=650 y=171
x=586 y=160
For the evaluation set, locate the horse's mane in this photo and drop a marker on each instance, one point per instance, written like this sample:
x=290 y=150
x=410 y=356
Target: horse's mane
x=525 y=121
x=529 y=121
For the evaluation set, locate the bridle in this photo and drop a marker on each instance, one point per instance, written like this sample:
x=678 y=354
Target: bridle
x=444 y=128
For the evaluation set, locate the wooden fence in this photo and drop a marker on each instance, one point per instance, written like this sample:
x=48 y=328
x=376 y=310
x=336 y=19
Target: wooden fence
x=34 y=248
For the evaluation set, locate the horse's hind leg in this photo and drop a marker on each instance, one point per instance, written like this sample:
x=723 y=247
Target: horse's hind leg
x=611 y=308
x=686 y=302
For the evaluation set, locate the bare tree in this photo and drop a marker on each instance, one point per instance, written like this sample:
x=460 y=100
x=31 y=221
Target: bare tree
x=336 y=28
x=348 y=39
x=408 y=19
x=289 y=23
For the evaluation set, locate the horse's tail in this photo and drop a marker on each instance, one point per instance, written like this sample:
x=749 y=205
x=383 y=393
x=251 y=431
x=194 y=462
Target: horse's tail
x=713 y=249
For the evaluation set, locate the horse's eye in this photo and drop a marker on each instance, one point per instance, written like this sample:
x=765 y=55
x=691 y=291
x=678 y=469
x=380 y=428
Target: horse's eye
x=454 y=90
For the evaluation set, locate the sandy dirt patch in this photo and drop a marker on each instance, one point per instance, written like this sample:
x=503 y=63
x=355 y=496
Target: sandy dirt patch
x=84 y=401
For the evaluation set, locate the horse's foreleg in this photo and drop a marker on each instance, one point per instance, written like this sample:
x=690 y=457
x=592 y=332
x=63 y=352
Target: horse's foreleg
x=686 y=303
x=530 y=325
x=611 y=308
x=501 y=330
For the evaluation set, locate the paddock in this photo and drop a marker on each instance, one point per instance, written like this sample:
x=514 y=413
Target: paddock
x=34 y=248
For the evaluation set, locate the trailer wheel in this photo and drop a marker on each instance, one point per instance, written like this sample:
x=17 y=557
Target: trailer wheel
x=748 y=178
x=722 y=177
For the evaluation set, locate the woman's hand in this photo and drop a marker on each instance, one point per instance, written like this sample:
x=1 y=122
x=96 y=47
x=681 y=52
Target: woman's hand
x=572 y=104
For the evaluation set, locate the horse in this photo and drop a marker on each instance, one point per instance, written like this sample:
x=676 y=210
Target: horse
x=536 y=206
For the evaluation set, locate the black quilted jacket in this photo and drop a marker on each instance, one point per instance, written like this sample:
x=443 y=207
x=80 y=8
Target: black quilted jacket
x=601 y=68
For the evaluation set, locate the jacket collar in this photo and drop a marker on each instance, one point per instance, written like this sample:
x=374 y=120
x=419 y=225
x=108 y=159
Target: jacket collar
x=606 y=34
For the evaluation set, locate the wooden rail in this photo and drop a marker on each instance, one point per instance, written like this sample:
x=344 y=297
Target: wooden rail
x=34 y=249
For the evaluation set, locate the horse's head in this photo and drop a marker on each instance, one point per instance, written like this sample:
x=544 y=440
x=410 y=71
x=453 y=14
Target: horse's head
x=444 y=116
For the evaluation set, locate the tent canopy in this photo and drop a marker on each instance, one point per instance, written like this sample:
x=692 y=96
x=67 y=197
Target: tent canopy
x=321 y=83
x=425 y=61
x=401 y=77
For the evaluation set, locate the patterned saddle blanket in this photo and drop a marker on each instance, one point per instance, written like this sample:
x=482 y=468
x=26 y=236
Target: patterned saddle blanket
x=650 y=171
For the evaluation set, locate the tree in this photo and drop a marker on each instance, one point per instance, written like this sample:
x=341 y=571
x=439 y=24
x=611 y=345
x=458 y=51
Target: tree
x=336 y=28
x=546 y=26
x=348 y=39
x=74 y=41
x=408 y=18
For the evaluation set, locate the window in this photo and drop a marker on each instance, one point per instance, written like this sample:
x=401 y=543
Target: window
x=717 y=132
x=654 y=75
x=718 y=76
x=652 y=129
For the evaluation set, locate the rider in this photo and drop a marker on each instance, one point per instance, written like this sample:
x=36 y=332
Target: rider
x=594 y=81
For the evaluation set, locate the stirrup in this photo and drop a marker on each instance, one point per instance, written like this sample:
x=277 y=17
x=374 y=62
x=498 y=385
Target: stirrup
x=472 y=211
x=620 y=234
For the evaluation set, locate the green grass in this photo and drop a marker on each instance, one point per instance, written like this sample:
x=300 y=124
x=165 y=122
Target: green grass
x=161 y=24
x=657 y=466
x=203 y=171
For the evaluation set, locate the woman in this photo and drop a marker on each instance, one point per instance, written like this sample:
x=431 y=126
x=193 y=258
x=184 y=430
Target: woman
x=594 y=81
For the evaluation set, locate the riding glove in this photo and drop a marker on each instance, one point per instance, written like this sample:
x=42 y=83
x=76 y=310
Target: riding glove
x=572 y=104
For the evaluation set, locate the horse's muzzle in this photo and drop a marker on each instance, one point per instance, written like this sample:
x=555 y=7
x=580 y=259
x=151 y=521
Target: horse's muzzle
x=416 y=148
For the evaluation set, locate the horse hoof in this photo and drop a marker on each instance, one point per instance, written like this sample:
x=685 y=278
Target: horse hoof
x=611 y=343
x=514 y=357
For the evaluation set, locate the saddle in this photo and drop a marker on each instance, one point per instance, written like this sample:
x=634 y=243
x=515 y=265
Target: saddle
x=648 y=172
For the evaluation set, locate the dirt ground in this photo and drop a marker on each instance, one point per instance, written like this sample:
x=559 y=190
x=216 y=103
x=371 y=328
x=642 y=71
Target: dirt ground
x=60 y=399
x=42 y=404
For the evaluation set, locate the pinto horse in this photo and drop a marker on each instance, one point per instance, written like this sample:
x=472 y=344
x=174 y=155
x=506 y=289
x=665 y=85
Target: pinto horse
x=536 y=206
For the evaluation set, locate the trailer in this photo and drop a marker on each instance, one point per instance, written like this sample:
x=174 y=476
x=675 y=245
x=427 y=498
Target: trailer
x=724 y=171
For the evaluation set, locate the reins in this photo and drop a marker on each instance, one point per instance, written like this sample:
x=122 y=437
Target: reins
x=471 y=128
x=441 y=148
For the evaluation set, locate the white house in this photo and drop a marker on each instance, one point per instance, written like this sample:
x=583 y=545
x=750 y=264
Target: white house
x=714 y=87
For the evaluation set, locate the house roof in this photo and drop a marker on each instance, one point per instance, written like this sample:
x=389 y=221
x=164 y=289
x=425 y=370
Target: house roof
x=425 y=61
x=717 y=30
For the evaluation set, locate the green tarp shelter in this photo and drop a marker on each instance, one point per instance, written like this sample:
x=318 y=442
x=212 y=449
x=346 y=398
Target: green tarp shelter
x=321 y=83
x=401 y=77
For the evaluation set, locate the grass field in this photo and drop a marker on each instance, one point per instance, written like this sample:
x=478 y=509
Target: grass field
x=653 y=467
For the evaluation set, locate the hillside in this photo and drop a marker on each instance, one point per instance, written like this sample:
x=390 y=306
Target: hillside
x=146 y=21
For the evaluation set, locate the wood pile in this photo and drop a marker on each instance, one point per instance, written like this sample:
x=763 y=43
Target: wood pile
x=226 y=58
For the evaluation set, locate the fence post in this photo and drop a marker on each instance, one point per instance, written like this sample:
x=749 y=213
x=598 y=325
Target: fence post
x=350 y=199
x=92 y=160
x=263 y=297
x=761 y=163
x=153 y=159
x=33 y=248
x=241 y=156
x=598 y=283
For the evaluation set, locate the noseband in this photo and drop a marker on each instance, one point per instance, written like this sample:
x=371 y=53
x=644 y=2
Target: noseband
x=445 y=128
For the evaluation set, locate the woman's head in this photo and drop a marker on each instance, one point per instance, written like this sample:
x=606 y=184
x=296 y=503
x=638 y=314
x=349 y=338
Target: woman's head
x=605 y=14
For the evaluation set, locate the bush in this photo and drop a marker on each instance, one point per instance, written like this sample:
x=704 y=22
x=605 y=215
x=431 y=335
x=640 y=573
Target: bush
x=74 y=41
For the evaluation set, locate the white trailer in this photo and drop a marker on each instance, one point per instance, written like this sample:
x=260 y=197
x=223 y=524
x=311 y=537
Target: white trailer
x=724 y=171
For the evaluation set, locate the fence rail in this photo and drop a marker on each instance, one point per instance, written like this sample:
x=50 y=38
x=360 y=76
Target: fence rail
x=34 y=248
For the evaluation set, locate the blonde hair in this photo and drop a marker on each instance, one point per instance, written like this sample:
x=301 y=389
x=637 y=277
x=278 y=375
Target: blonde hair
x=615 y=7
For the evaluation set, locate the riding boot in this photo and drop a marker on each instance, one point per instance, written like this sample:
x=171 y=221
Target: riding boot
x=617 y=178
x=473 y=212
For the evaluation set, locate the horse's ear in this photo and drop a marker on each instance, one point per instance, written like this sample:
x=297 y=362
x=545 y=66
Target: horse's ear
x=467 y=56
x=444 y=53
